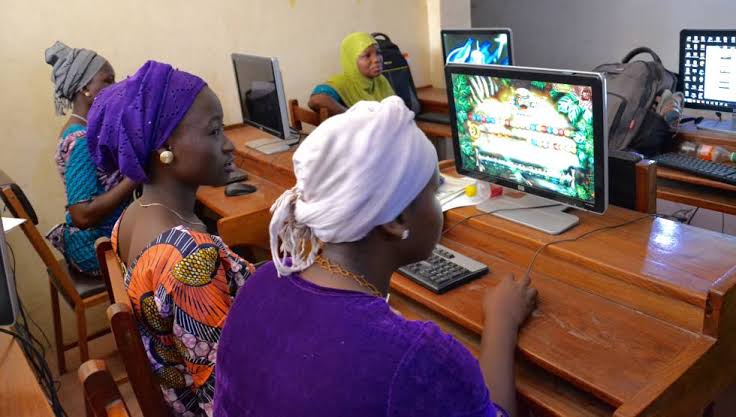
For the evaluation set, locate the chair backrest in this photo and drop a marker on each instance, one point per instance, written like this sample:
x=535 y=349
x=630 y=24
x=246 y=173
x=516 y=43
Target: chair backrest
x=20 y=207
x=111 y=271
x=127 y=338
x=646 y=186
x=300 y=114
x=246 y=230
x=100 y=391
x=141 y=377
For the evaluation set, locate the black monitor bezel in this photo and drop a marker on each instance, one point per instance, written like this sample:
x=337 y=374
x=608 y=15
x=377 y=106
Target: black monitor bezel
x=482 y=31
x=600 y=145
x=248 y=121
x=681 y=79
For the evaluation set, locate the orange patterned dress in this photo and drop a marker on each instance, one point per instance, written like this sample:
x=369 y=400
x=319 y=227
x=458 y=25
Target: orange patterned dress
x=181 y=288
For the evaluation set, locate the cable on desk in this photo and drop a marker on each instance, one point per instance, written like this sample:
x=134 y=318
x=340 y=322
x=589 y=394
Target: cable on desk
x=496 y=211
x=690 y=220
x=41 y=368
x=584 y=235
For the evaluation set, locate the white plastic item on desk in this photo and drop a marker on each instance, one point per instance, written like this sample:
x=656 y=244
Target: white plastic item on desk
x=483 y=193
x=10 y=223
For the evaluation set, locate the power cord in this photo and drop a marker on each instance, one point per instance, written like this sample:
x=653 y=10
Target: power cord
x=42 y=369
x=584 y=235
x=32 y=347
x=496 y=211
x=555 y=242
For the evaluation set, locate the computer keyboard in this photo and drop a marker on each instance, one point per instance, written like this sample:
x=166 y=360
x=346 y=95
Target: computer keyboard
x=708 y=169
x=444 y=270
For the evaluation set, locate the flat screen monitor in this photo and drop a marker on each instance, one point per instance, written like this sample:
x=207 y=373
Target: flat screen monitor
x=8 y=301
x=477 y=46
x=539 y=131
x=708 y=73
x=261 y=94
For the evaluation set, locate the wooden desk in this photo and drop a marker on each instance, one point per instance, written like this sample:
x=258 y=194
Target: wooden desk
x=672 y=185
x=632 y=321
x=20 y=394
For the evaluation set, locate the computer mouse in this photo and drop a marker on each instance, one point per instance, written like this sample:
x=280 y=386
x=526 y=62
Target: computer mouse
x=238 y=175
x=239 y=188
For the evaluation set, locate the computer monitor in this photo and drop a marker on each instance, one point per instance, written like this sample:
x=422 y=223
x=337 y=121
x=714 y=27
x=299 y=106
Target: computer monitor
x=8 y=300
x=262 y=99
x=708 y=74
x=477 y=46
x=539 y=131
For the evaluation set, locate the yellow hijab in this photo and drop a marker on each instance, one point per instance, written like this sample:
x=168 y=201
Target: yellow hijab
x=351 y=85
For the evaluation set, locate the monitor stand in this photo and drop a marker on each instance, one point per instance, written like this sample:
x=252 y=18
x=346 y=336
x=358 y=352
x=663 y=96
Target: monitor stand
x=272 y=145
x=551 y=220
x=727 y=127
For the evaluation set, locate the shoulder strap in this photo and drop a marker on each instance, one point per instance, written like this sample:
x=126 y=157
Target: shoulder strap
x=641 y=50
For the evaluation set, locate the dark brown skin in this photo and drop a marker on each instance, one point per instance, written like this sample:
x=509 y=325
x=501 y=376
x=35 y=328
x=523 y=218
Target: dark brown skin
x=370 y=64
x=90 y=214
x=203 y=155
x=383 y=251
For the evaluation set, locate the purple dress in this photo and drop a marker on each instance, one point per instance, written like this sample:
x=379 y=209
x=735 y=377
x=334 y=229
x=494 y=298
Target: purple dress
x=292 y=348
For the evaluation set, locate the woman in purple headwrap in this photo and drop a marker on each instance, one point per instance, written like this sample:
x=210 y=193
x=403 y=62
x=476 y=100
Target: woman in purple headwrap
x=94 y=199
x=164 y=128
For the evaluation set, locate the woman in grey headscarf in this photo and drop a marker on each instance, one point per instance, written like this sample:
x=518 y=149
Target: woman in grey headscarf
x=94 y=199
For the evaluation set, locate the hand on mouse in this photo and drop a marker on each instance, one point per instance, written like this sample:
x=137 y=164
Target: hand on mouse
x=512 y=299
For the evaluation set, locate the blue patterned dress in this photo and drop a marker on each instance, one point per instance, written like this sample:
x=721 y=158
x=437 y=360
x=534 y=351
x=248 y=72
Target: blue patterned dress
x=83 y=182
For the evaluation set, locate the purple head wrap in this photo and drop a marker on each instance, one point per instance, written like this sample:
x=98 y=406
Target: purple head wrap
x=130 y=120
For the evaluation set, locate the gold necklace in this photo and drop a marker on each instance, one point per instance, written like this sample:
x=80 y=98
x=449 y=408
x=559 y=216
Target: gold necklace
x=196 y=222
x=334 y=268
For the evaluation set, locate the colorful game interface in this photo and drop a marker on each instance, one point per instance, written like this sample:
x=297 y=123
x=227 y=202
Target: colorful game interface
x=533 y=133
x=479 y=50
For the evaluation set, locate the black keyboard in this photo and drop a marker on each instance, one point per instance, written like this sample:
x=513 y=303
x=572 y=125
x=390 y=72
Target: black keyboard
x=444 y=270
x=708 y=169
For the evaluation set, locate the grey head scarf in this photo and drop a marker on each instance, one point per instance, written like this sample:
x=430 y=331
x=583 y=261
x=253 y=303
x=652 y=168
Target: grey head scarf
x=72 y=70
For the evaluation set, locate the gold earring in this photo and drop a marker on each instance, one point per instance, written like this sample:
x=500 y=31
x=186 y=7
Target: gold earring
x=86 y=94
x=166 y=157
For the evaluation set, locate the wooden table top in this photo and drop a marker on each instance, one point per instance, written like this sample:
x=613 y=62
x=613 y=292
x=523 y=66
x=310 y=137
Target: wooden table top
x=20 y=393
x=630 y=320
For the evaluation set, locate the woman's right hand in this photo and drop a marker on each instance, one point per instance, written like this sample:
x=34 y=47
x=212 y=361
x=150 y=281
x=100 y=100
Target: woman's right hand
x=512 y=300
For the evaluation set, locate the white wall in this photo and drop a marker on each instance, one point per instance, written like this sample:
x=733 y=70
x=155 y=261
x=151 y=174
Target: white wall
x=580 y=34
x=443 y=14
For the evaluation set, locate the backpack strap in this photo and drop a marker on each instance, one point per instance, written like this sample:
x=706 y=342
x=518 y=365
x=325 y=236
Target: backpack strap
x=377 y=35
x=641 y=50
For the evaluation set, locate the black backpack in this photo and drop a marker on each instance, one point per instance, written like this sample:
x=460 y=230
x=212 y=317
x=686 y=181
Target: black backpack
x=633 y=89
x=396 y=70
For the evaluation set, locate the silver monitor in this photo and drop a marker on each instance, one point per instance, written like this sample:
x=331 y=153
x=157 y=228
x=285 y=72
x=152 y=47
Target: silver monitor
x=262 y=100
x=539 y=131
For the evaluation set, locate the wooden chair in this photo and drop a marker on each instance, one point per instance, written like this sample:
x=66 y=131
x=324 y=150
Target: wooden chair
x=646 y=186
x=101 y=394
x=300 y=114
x=80 y=291
x=128 y=340
x=249 y=232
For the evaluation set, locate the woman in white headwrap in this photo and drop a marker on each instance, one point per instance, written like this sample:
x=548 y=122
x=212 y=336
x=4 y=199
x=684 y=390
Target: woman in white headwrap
x=311 y=334
x=94 y=199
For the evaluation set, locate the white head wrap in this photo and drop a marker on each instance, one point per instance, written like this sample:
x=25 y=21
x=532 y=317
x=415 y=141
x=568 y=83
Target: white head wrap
x=356 y=171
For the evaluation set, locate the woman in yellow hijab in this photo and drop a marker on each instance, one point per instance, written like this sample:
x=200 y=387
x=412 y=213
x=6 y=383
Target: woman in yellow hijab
x=361 y=79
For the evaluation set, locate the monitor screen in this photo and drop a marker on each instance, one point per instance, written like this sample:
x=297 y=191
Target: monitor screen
x=477 y=46
x=538 y=131
x=708 y=69
x=259 y=85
